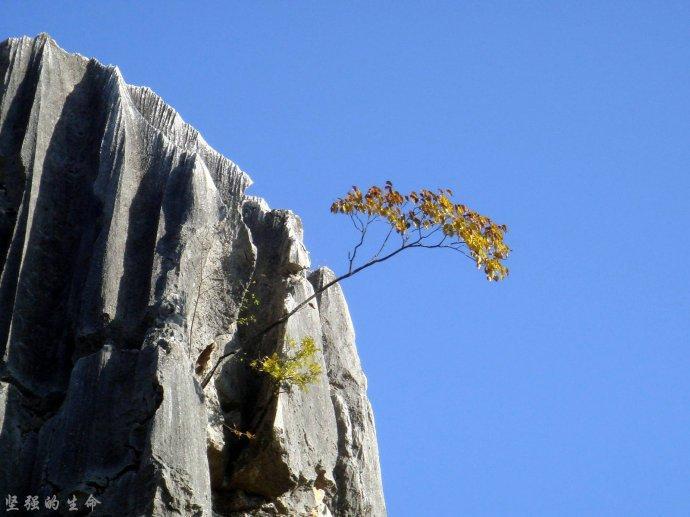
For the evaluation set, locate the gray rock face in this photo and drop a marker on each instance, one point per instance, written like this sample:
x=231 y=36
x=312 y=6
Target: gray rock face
x=128 y=249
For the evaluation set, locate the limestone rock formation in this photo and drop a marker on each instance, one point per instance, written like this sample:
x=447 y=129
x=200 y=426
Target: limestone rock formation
x=127 y=247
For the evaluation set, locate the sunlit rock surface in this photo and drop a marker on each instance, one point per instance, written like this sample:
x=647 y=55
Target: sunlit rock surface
x=127 y=245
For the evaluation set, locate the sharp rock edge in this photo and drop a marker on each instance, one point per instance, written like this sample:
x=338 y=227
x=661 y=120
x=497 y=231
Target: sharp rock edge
x=126 y=247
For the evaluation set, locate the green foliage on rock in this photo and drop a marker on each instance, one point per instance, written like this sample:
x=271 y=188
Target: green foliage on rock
x=296 y=366
x=248 y=308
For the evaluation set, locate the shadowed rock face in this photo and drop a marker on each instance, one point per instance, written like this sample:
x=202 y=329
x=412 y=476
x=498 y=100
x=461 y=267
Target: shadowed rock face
x=127 y=245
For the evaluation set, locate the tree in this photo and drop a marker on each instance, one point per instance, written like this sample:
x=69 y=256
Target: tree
x=418 y=220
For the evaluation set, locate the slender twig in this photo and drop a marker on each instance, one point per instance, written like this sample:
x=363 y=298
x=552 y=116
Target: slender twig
x=361 y=224
x=444 y=246
x=354 y=222
x=385 y=241
x=437 y=228
x=238 y=433
x=363 y=232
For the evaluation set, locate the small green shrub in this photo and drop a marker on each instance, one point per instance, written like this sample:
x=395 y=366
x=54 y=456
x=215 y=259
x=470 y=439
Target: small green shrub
x=295 y=367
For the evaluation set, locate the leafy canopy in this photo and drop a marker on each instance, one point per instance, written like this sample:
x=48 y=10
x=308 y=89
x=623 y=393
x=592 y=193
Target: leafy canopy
x=418 y=217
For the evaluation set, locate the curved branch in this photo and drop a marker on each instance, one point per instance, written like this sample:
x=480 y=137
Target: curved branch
x=300 y=305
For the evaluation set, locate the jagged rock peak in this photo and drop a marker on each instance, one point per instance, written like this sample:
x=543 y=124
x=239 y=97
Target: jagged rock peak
x=127 y=251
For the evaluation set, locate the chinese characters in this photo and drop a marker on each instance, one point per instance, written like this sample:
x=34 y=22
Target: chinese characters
x=32 y=503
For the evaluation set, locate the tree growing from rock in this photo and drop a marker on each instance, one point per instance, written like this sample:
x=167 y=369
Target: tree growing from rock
x=421 y=219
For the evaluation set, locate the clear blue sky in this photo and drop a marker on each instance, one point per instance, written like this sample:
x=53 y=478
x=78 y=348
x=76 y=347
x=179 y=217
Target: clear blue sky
x=564 y=390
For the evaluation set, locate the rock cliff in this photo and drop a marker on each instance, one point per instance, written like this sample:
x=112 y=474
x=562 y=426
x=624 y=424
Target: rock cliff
x=127 y=247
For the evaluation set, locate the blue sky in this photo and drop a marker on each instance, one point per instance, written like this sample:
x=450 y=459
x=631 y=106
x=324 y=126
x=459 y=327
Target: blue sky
x=564 y=390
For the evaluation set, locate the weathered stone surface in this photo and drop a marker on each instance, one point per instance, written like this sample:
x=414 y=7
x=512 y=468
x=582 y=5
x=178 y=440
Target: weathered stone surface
x=357 y=469
x=127 y=246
